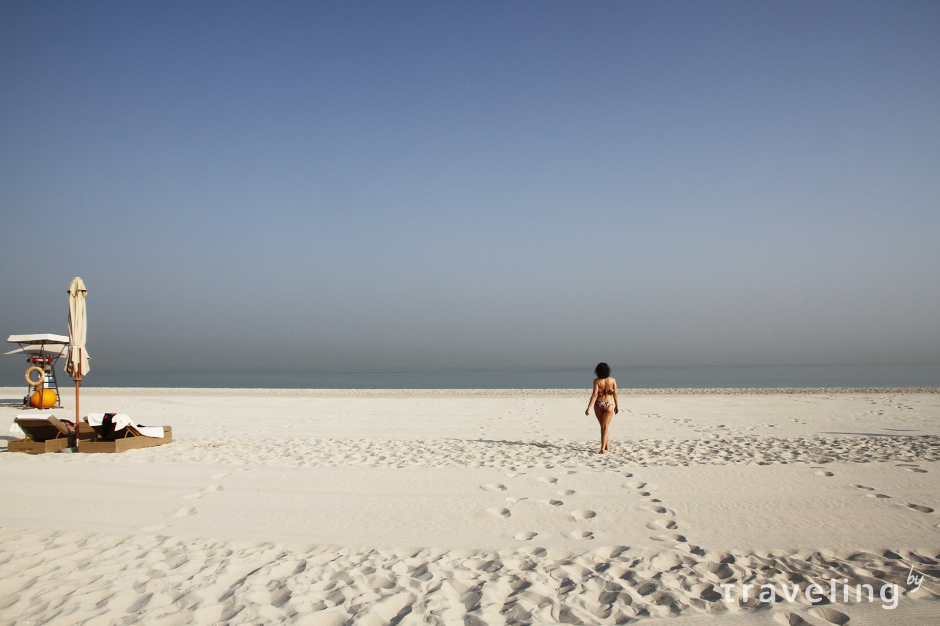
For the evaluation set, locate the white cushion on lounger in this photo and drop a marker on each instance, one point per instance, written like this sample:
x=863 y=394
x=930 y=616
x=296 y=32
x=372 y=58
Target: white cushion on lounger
x=18 y=432
x=150 y=431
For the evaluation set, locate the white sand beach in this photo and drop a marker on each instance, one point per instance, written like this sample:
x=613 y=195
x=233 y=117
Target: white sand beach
x=480 y=507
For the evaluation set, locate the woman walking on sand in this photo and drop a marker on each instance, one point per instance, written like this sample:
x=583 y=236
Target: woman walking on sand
x=605 y=402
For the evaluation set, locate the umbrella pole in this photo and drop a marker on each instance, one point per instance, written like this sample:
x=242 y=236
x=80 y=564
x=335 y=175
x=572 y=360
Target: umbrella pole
x=78 y=383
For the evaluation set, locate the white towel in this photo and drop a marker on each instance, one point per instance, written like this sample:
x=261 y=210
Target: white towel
x=121 y=420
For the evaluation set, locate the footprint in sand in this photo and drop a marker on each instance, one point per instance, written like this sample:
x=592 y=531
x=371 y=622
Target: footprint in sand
x=193 y=496
x=636 y=484
x=548 y=479
x=668 y=524
x=582 y=534
x=863 y=487
x=514 y=474
x=655 y=508
x=583 y=514
x=153 y=529
x=824 y=473
x=525 y=536
x=552 y=502
x=916 y=470
x=627 y=475
x=790 y=619
x=186 y=511
x=919 y=508
x=219 y=476
x=876 y=495
x=493 y=487
x=669 y=537
x=212 y=488
x=646 y=588
x=566 y=492
x=499 y=511
x=829 y=614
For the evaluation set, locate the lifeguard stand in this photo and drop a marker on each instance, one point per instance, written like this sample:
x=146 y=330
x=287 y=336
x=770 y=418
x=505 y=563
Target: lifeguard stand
x=43 y=351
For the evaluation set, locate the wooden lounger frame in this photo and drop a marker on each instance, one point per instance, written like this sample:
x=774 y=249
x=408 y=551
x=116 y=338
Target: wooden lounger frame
x=128 y=438
x=44 y=434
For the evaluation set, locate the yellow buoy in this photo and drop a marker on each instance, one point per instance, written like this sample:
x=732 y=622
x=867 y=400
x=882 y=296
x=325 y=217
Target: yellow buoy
x=48 y=399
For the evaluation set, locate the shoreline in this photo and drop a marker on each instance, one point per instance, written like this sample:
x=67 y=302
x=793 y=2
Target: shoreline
x=498 y=393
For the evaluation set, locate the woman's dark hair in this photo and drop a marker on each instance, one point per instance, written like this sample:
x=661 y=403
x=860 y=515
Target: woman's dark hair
x=602 y=370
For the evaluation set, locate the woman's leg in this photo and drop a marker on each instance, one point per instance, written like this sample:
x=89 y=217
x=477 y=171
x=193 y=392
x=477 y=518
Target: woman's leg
x=605 y=431
x=603 y=419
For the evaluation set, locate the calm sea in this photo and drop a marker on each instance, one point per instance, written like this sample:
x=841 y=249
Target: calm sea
x=518 y=378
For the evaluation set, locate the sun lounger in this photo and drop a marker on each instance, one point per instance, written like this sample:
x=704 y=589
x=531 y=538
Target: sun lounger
x=126 y=436
x=43 y=434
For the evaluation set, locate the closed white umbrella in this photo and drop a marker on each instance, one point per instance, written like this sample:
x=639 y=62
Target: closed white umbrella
x=76 y=364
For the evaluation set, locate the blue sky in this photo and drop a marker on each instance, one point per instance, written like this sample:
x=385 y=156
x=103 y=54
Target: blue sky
x=427 y=184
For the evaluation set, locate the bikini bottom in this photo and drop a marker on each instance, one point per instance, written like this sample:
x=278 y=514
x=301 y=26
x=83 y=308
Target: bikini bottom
x=603 y=406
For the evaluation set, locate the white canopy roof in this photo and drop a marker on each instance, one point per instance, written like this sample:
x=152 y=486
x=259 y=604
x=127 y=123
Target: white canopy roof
x=49 y=349
x=36 y=339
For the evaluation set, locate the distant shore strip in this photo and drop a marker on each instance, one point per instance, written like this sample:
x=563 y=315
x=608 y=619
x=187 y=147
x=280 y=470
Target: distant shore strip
x=499 y=393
